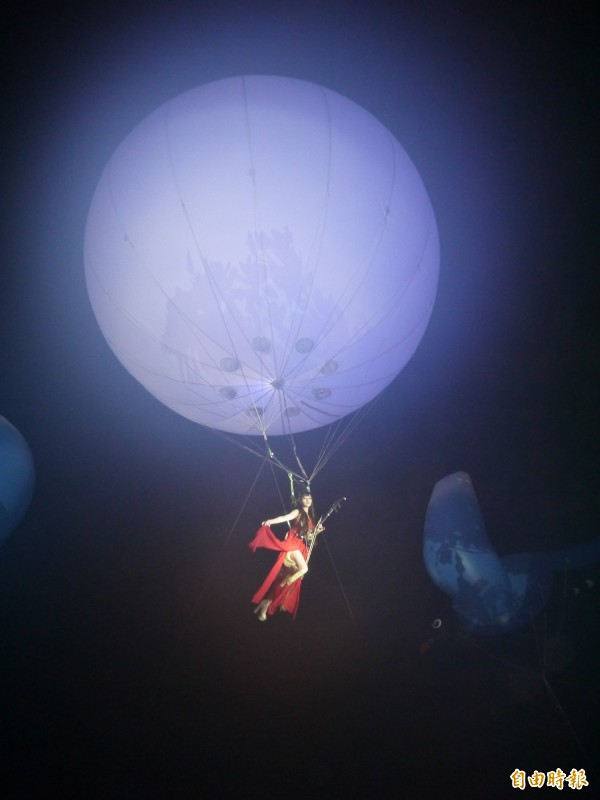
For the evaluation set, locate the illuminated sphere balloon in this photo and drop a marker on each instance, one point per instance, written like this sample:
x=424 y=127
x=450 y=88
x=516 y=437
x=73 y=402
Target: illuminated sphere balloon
x=261 y=254
x=17 y=478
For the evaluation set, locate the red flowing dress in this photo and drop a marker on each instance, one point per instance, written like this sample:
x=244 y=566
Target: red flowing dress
x=284 y=598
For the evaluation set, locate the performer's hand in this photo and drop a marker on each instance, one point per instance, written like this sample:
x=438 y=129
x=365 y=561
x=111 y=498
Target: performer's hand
x=266 y=522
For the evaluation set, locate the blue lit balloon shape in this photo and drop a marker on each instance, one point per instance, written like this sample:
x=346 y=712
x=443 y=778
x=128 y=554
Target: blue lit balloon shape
x=17 y=478
x=261 y=255
x=492 y=595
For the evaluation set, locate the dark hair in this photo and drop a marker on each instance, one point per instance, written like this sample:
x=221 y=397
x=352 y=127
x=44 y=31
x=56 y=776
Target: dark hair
x=303 y=516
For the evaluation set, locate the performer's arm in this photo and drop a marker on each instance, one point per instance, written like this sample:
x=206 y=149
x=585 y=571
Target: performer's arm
x=312 y=534
x=284 y=518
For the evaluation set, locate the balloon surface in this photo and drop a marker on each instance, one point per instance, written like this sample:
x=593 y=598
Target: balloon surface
x=261 y=255
x=17 y=478
x=492 y=595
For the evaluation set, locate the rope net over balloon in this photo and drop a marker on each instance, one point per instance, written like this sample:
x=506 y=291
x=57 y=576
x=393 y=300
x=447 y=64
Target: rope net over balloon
x=262 y=256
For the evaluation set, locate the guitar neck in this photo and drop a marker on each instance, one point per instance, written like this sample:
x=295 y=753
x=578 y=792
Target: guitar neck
x=334 y=507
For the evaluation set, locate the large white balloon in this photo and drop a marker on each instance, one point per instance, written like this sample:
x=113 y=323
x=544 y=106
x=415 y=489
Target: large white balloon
x=261 y=254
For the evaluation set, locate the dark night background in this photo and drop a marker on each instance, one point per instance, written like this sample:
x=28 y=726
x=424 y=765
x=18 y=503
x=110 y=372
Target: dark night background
x=132 y=665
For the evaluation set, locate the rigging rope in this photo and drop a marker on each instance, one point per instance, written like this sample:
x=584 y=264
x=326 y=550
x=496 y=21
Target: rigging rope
x=339 y=580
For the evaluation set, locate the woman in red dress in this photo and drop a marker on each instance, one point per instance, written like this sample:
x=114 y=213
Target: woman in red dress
x=281 y=588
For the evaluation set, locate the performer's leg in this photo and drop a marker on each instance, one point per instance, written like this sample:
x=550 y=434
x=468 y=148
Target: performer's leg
x=263 y=607
x=300 y=571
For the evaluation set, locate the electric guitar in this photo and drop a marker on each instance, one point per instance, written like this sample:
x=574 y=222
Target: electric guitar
x=312 y=537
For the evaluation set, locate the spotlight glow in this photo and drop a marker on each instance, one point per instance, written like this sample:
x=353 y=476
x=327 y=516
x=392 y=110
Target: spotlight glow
x=261 y=254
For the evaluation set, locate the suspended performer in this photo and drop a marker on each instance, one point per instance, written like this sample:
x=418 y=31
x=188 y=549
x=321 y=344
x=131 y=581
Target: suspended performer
x=281 y=588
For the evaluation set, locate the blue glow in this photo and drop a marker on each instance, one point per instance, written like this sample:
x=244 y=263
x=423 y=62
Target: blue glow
x=16 y=478
x=492 y=595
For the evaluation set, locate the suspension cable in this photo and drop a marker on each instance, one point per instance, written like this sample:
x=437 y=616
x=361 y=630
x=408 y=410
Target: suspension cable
x=339 y=580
